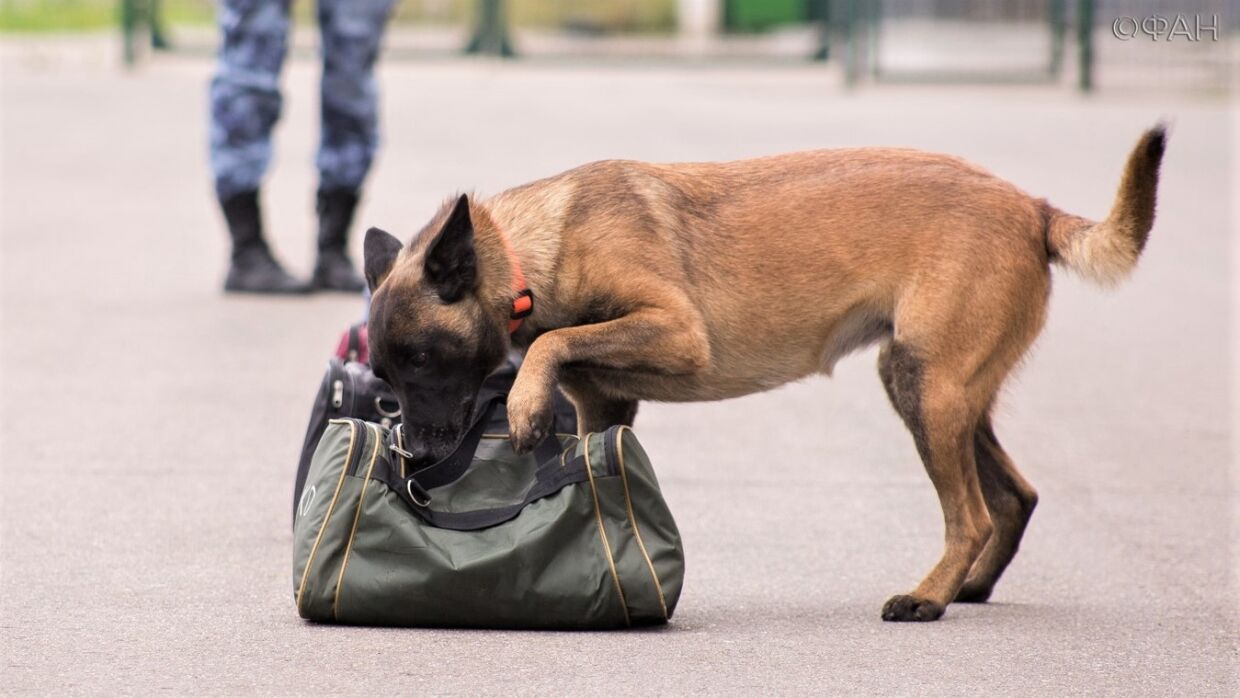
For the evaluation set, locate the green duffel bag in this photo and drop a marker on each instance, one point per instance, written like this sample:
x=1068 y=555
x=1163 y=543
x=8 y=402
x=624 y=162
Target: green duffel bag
x=574 y=535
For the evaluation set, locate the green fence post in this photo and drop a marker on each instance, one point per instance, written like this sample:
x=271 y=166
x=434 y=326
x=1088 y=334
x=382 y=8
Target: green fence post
x=1059 y=25
x=1085 y=36
x=155 y=19
x=491 y=31
x=852 y=61
x=822 y=8
x=873 y=23
x=129 y=21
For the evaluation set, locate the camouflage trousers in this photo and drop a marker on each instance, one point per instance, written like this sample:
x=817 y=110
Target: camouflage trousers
x=245 y=92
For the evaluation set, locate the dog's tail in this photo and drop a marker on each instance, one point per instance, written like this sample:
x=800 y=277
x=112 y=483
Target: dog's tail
x=1106 y=252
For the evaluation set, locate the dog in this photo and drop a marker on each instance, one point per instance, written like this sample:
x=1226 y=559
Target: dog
x=625 y=281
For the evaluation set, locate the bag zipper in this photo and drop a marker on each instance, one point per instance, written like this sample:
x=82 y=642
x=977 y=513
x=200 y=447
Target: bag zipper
x=305 y=573
x=355 y=458
x=612 y=454
x=337 y=393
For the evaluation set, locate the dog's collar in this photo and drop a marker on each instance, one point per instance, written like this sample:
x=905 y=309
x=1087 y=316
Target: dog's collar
x=523 y=297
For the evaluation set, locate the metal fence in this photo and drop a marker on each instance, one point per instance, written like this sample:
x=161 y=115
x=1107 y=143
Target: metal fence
x=1143 y=44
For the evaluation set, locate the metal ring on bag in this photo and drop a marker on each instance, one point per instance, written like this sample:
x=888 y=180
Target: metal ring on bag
x=413 y=497
x=385 y=413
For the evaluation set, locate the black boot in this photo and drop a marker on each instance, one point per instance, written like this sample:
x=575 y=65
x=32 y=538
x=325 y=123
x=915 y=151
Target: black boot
x=253 y=269
x=333 y=270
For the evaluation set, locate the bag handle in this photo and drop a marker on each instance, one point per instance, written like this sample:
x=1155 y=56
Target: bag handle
x=551 y=478
x=415 y=488
x=452 y=467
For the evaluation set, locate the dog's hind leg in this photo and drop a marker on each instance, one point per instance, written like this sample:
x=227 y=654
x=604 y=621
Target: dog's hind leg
x=934 y=402
x=954 y=345
x=1010 y=500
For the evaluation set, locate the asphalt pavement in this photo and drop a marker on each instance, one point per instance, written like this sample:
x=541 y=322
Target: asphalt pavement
x=151 y=426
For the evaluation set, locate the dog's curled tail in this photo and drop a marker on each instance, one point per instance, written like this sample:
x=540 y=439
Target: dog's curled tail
x=1106 y=252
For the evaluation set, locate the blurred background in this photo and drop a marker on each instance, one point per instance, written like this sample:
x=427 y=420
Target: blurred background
x=1057 y=41
x=150 y=425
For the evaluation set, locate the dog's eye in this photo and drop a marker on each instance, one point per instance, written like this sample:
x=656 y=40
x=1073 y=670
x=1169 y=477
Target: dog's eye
x=418 y=359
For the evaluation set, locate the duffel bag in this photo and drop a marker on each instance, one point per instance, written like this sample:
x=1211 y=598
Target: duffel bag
x=574 y=535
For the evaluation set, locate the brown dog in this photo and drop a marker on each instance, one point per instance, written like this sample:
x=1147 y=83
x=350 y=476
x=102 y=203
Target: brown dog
x=706 y=281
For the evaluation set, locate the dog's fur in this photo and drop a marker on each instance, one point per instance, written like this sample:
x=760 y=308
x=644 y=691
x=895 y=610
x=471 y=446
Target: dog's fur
x=706 y=281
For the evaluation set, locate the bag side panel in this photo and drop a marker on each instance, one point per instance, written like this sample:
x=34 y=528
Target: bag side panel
x=655 y=527
x=376 y=439
x=329 y=492
x=642 y=596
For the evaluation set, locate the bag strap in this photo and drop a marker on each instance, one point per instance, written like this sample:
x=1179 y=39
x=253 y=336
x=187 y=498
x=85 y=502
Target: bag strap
x=551 y=478
x=414 y=489
x=453 y=467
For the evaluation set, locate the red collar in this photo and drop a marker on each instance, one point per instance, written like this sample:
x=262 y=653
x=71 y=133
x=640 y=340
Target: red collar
x=523 y=297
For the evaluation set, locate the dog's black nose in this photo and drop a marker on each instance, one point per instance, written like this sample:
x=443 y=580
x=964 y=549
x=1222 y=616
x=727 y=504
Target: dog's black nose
x=419 y=455
x=416 y=452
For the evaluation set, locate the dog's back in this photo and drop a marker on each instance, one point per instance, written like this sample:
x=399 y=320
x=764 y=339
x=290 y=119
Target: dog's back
x=832 y=238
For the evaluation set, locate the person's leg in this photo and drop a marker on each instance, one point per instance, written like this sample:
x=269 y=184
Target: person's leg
x=245 y=104
x=352 y=32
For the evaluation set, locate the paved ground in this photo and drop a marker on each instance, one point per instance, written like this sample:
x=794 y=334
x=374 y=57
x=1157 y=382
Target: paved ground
x=150 y=426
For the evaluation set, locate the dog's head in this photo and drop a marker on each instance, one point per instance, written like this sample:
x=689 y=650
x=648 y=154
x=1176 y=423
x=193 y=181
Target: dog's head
x=438 y=324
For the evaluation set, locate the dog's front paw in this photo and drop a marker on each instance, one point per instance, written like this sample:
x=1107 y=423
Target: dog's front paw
x=529 y=422
x=905 y=608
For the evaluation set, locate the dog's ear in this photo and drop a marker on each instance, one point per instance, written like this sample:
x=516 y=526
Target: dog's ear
x=451 y=263
x=379 y=252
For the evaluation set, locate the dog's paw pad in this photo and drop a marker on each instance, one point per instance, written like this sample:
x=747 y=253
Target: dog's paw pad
x=526 y=442
x=527 y=434
x=904 y=608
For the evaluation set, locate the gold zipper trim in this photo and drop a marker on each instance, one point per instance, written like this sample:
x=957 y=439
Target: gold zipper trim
x=357 y=516
x=598 y=516
x=628 y=503
x=305 y=573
